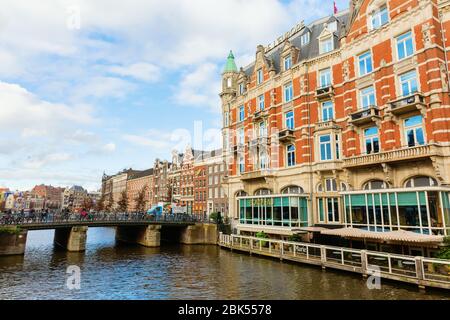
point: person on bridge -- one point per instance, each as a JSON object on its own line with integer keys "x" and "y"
{"x": 83, "y": 214}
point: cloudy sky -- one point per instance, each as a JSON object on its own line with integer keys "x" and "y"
{"x": 88, "y": 86}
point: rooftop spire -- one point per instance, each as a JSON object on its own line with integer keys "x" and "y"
{"x": 231, "y": 65}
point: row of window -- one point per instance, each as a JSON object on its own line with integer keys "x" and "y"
{"x": 407, "y": 81}
{"x": 329, "y": 143}
{"x": 405, "y": 49}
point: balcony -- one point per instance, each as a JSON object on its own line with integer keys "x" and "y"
{"x": 325, "y": 92}
{"x": 327, "y": 166}
{"x": 362, "y": 117}
{"x": 403, "y": 105}
{"x": 326, "y": 125}
{"x": 410, "y": 153}
{"x": 286, "y": 136}
{"x": 238, "y": 148}
{"x": 259, "y": 115}
{"x": 258, "y": 174}
{"x": 259, "y": 141}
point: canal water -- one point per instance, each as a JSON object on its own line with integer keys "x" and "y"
{"x": 111, "y": 270}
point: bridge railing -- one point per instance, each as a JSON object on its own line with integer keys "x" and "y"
{"x": 17, "y": 219}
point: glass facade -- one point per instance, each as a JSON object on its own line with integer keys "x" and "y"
{"x": 420, "y": 210}
{"x": 282, "y": 211}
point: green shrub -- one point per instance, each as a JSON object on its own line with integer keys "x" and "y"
{"x": 10, "y": 230}
{"x": 295, "y": 238}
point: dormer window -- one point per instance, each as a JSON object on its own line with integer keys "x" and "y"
{"x": 241, "y": 89}
{"x": 326, "y": 45}
{"x": 379, "y": 17}
{"x": 304, "y": 39}
{"x": 332, "y": 26}
{"x": 259, "y": 76}
{"x": 287, "y": 62}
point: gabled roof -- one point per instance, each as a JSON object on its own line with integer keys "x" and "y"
{"x": 311, "y": 49}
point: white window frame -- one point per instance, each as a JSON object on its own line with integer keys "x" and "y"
{"x": 365, "y": 96}
{"x": 305, "y": 38}
{"x": 241, "y": 136}
{"x": 326, "y": 44}
{"x": 371, "y": 137}
{"x": 241, "y": 113}
{"x": 261, "y": 102}
{"x": 327, "y": 106}
{"x": 403, "y": 43}
{"x": 378, "y": 14}
{"x": 409, "y": 83}
{"x": 288, "y": 153}
{"x": 323, "y": 75}
{"x": 415, "y": 128}
{"x": 287, "y": 62}
{"x": 365, "y": 58}
{"x": 330, "y": 142}
{"x": 288, "y": 92}
{"x": 289, "y": 119}
{"x": 259, "y": 76}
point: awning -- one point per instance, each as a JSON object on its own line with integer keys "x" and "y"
{"x": 268, "y": 229}
{"x": 399, "y": 235}
{"x": 312, "y": 229}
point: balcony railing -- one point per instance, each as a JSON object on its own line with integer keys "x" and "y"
{"x": 259, "y": 114}
{"x": 393, "y": 155}
{"x": 238, "y": 148}
{"x": 324, "y": 92}
{"x": 361, "y": 117}
{"x": 324, "y": 125}
{"x": 286, "y": 135}
{"x": 406, "y": 104}
{"x": 328, "y": 165}
{"x": 259, "y": 141}
{"x": 257, "y": 174}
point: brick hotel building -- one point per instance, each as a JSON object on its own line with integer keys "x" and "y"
{"x": 340, "y": 130}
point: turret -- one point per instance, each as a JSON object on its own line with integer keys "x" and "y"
{"x": 229, "y": 76}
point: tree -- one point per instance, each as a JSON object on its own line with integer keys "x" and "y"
{"x": 122, "y": 204}
{"x": 110, "y": 203}
{"x": 140, "y": 200}
{"x": 100, "y": 205}
{"x": 88, "y": 203}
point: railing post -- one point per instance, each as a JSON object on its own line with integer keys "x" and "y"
{"x": 364, "y": 263}
{"x": 251, "y": 246}
{"x": 323, "y": 256}
{"x": 420, "y": 272}
{"x": 281, "y": 250}
{"x": 240, "y": 239}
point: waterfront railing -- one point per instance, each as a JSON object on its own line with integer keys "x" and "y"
{"x": 419, "y": 270}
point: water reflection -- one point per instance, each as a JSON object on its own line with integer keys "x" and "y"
{"x": 113, "y": 270}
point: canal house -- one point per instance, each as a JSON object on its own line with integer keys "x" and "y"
{"x": 339, "y": 131}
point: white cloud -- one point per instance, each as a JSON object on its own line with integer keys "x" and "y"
{"x": 103, "y": 87}
{"x": 200, "y": 88}
{"x": 140, "y": 71}
{"x": 41, "y": 161}
{"x": 23, "y": 111}
{"x": 109, "y": 147}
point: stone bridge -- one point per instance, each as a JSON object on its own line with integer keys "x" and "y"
{"x": 71, "y": 232}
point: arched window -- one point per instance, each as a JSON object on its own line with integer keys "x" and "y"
{"x": 375, "y": 185}
{"x": 241, "y": 193}
{"x": 344, "y": 186}
{"x": 263, "y": 192}
{"x": 292, "y": 190}
{"x": 420, "y": 181}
